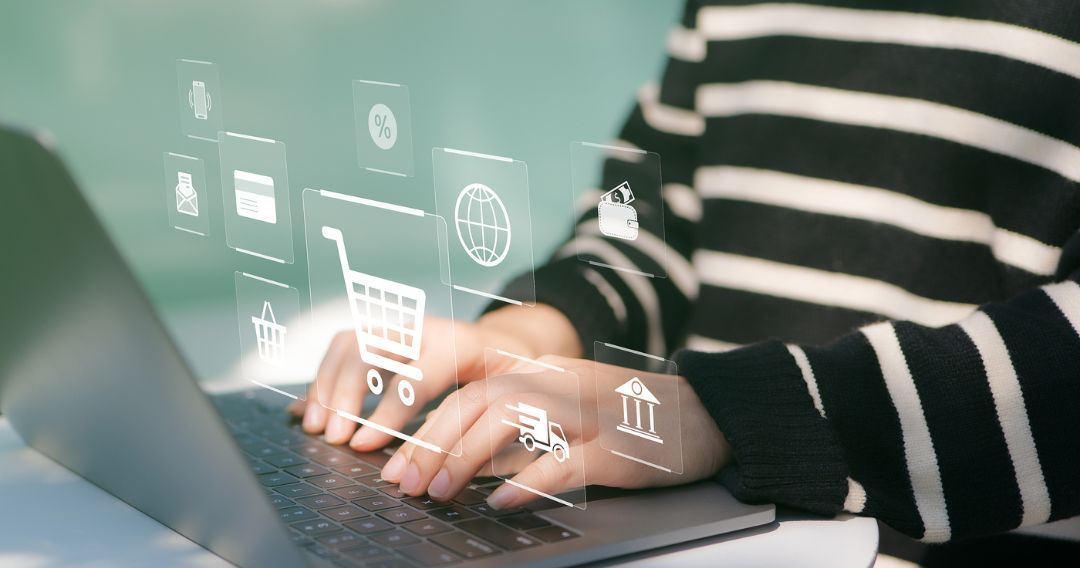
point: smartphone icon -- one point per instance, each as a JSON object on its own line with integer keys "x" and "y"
{"x": 199, "y": 99}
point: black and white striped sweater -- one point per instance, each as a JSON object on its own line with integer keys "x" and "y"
{"x": 881, "y": 207}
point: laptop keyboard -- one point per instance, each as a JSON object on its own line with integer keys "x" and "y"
{"x": 338, "y": 507}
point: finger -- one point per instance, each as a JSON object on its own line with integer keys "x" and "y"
{"x": 391, "y": 413}
{"x": 297, "y": 408}
{"x": 438, "y": 374}
{"x": 348, "y": 396}
{"x": 478, "y": 444}
{"x": 443, "y": 427}
{"x": 457, "y": 414}
{"x": 394, "y": 469}
{"x": 545, "y": 475}
{"x": 316, "y": 414}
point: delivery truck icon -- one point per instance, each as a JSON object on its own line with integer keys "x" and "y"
{"x": 539, "y": 432}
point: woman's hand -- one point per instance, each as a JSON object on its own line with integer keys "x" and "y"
{"x": 452, "y": 352}
{"x": 479, "y": 409}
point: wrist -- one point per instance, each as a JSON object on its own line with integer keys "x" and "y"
{"x": 531, "y": 331}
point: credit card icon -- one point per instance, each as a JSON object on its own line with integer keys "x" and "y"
{"x": 255, "y": 196}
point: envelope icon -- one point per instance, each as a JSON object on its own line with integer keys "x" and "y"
{"x": 618, "y": 220}
{"x": 187, "y": 200}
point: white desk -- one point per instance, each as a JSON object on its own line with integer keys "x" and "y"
{"x": 55, "y": 518}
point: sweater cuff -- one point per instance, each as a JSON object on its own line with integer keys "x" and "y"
{"x": 785, "y": 451}
{"x": 562, "y": 285}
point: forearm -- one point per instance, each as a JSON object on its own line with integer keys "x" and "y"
{"x": 537, "y": 330}
{"x": 942, "y": 433}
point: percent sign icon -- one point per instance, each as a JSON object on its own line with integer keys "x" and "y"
{"x": 382, "y": 126}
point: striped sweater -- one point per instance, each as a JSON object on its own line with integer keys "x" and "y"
{"x": 871, "y": 251}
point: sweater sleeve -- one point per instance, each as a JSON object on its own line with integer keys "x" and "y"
{"x": 624, "y": 306}
{"x": 942, "y": 433}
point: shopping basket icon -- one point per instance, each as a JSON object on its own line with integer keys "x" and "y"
{"x": 270, "y": 335}
{"x": 388, "y": 316}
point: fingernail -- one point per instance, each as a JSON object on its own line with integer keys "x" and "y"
{"x": 363, "y": 439}
{"x": 311, "y": 418}
{"x": 394, "y": 468}
{"x": 440, "y": 486}
{"x": 411, "y": 480}
{"x": 503, "y": 496}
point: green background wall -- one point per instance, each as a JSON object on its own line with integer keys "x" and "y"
{"x": 510, "y": 77}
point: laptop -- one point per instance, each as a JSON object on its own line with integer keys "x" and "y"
{"x": 90, "y": 378}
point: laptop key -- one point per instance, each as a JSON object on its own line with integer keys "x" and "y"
{"x": 470, "y": 497}
{"x": 285, "y": 438}
{"x": 374, "y": 481}
{"x": 320, "y": 501}
{"x": 393, "y": 491}
{"x": 297, "y": 490}
{"x": 341, "y": 540}
{"x": 368, "y": 526}
{"x": 402, "y": 515}
{"x": 427, "y": 527}
{"x": 294, "y": 514}
{"x": 334, "y": 459}
{"x": 489, "y": 511}
{"x": 377, "y": 503}
{"x": 394, "y": 538}
{"x": 554, "y": 533}
{"x": 299, "y": 538}
{"x": 280, "y": 502}
{"x": 286, "y": 460}
{"x": 321, "y": 551}
{"x": 315, "y": 527}
{"x": 344, "y": 513}
{"x": 307, "y": 470}
{"x": 426, "y": 554}
{"x": 353, "y": 492}
{"x": 526, "y": 522}
{"x": 262, "y": 450}
{"x": 358, "y": 469}
{"x": 309, "y": 448}
{"x": 260, "y": 467}
{"x": 365, "y": 551}
{"x": 501, "y": 535}
{"x": 452, "y": 514}
{"x": 423, "y": 503}
{"x": 464, "y": 545}
{"x": 275, "y": 479}
{"x": 330, "y": 481}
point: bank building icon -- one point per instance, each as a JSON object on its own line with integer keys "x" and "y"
{"x": 638, "y": 408}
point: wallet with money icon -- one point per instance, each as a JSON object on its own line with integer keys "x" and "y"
{"x": 618, "y": 219}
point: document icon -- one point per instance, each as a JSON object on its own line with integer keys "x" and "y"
{"x": 255, "y": 196}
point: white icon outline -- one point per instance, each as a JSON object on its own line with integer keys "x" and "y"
{"x": 382, "y": 126}
{"x": 494, "y": 254}
{"x": 255, "y": 197}
{"x": 367, "y": 293}
{"x": 187, "y": 199}
{"x": 269, "y": 335}
{"x": 618, "y": 219}
{"x": 635, "y": 389}
{"x": 199, "y": 100}
{"x": 538, "y": 432}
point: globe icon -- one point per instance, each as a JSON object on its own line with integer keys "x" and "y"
{"x": 483, "y": 227}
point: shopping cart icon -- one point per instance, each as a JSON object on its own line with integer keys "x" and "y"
{"x": 388, "y": 316}
{"x": 269, "y": 335}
